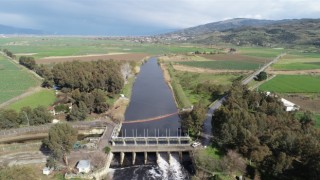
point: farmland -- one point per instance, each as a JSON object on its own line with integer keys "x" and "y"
{"x": 41, "y": 47}
{"x": 46, "y": 96}
{"x": 191, "y": 82}
{"x": 261, "y": 52}
{"x": 116, "y": 57}
{"x": 230, "y": 64}
{"x": 14, "y": 80}
{"x": 293, "y": 84}
{"x": 295, "y": 61}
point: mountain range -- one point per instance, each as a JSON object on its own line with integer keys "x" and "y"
{"x": 15, "y": 30}
{"x": 241, "y": 31}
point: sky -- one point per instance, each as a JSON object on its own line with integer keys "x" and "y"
{"x": 143, "y": 17}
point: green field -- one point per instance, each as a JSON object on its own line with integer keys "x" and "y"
{"x": 297, "y": 66}
{"x": 298, "y": 61}
{"x": 45, "y": 97}
{"x": 227, "y": 64}
{"x": 70, "y": 46}
{"x": 293, "y": 84}
{"x": 260, "y": 52}
{"x": 189, "y": 81}
{"x": 14, "y": 80}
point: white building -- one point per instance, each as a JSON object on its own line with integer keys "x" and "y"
{"x": 84, "y": 166}
{"x": 290, "y": 106}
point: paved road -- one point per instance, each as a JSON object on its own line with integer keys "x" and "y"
{"x": 207, "y": 127}
{"x": 264, "y": 67}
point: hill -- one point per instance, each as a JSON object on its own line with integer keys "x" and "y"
{"x": 221, "y": 26}
{"x": 268, "y": 33}
{"x": 15, "y": 30}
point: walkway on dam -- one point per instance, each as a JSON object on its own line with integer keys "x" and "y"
{"x": 152, "y": 148}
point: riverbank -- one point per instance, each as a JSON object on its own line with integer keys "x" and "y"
{"x": 179, "y": 96}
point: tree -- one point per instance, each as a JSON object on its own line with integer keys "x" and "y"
{"x": 8, "y": 119}
{"x": 61, "y": 139}
{"x": 281, "y": 145}
{"x": 41, "y": 116}
{"x": 78, "y": 112}
{"x": 100, "y": 104}
{"x": 233, "y": 163}
{"x": 261, "y": 76}
{"x": 193, "y": 122}
{"x": 28, "y": 62}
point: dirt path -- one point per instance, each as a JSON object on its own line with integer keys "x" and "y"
{"x": 25, "y": 94}
{"x": 23, "y": 158}
{"x": 296, "y": 72}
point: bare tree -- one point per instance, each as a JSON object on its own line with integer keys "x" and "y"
{"x": 233, "y": 163}
{"x": 98, "y": 159}
{"x": 126, "y": 71}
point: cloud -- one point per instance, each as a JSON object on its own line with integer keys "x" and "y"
{"x": 17, "y": 20}
{"x": 118, "y": 16}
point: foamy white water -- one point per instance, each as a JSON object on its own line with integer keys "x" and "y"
{"x": 163, "y": 165}
{"x": 176, "y": 169}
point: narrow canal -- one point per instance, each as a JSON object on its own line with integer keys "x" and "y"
{"x": 151, "y": 97}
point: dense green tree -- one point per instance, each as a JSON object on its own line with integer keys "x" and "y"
{"x": 47, "y": 75}
{"x": 60, "y": 140}
{"x": 28, "y": 62}
{"x": 41, "y": 116}
{"x": 261, "y": 76}
{"x": 9, "y": 53}
{"x": 8, "y": 119}
{"x": 99, "y": 104}
{"x": 192, "y": 122}
{"x": 78, "y": 112}
{"x": 281, "y": 145}
{"x": 87, "y": 76}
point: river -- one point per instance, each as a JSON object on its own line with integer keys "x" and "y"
{"x": 151, "y": 97}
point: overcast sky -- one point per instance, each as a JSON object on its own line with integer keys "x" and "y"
{"x": 143, "y": 17}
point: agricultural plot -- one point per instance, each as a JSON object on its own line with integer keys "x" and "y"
{"x": 308, "y": 61}
{"x": 227, "y": 64}
{"x": 269, "y": 53}
{"x": 41, "y": 47}
{"x": 46, "y": 97}
{"x": 14, "y": 80}
{"x": 189, "y": 82}
{"x": 116, "y": 57}
{"x": 293, "y": 84}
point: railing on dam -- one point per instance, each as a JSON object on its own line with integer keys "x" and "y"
{"x": 136, "y": 141}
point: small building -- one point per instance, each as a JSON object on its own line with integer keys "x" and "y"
{"x": 84, "y": 166}
{"x": 46, "y": 171}
{"x": 290, "y": 106}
